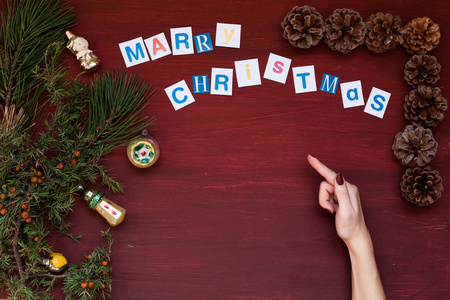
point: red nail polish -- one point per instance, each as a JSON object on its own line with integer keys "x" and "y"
{"x": 340, "y": 179}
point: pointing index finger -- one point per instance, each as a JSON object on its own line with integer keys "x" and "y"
{"x": 323, "y": 170}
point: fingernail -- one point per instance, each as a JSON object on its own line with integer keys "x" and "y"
{"x": 339, "y": 179}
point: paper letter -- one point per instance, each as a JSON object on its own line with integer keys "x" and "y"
{"x": 247, "y": 72}
{"x": 304, "y": 79}
{"x": 203, "y": 42}
{"x": 182, "y": 40}
{"x": 352, "y": 94}
{"x": 377, "y": 103}
{"x": 221, "y": 81}
{"x": 328, "y": 87}
{"x": 179, "y": 95}
{"x": 200, "y": 83}
{"x": 277, "y": 68}
{"x": 228, "y": 35}
{"x": 134, "y": 52}
{"x": 158, "y": 46}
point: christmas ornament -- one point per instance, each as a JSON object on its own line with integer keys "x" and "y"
{"x": 344, "y": 30}
{"x": 80, "y": 47}
{"x": 425, "y": 106}
{"x": 421, "y": 186}
{"x": 303, "y": 27}
{"x": 384, "y": 32}
{"x": 110, "y": 211}
{"x": 422, "y": 35}
{"x": 144, "y": 151}
{"x": 422, "y": 69}
{"x": 414, "y": 146}
{"x": 56, "y": 262}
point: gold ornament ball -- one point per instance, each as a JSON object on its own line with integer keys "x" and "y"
{"x": 143, "y": 152}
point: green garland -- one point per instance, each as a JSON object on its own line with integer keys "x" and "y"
{"x": 48, "y": 148}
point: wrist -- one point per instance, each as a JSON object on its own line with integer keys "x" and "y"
{"x": 361, "y": 245}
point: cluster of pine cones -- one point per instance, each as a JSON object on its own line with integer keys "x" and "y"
{"x": 345, "y": 30}
{"x": 424, "y": 107}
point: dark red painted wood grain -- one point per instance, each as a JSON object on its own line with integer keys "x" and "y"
{"x": 230, "y": 210}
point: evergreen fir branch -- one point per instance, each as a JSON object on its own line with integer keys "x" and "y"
{"x": 115, "y": 101}
{"x": 28, "y": 27}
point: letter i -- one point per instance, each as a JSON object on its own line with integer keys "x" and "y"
{"x": 248, "y": 72}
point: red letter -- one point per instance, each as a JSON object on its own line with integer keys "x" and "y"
{"x": 157, "y": 46}
{"x": 278, "y": 67}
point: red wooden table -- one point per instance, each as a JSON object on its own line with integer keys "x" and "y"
{"x": 230, "y": 209}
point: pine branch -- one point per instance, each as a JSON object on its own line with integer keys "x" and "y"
{"x": 27, "y": 28}
{"x": 115, "y": 101}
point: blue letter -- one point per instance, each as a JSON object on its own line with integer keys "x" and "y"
{"x": 135, "y": 55}
{"x": 203, "y": 41}
{"x": 329, "y": 88}
{"x": 224, "y": 82}
{"x": 303, "y": 76}
{"x": 174, "y": 95}
{"x": 355, "y": 97}
{"x": 184, "y": 40}
{"x": 375, "y": 99}
{"x": 200, "y": 80}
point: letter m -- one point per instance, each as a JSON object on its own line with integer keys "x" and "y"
{"x": 329, "y": 85}
{"x": 136, "y": 53}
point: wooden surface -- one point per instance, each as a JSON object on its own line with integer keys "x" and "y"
{"x": 230, "y": 209}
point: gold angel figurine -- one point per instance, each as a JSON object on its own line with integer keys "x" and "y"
{"x": 80, "y": 47}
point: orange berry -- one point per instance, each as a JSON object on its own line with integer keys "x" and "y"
{"x": 40, "y": 180}
{"x": 3, "y": 196}
{"x": 73, "y": 162}
{"x": 105, "y": 263}
{"x": 60, "y": 166}
{"x": 3, "y": 211}
{"x": 102, "y": 286}
{"x": 24, "y": 206}
{"x": 34, "y": 179}
{"x": 22, "y": 165}
{"x": 39, "y": 174}
{"x": 91, "y": 285}
{"x": 31, "y": 169}
{"x": 25, "y": 215}
{"x": 13, "y": 190}
{"x": 4, "y": 186}
{"x": 36, "y": 238}
{"x": 17, "y": 169}
{"x": 84, "y": 285}
{"x": 28, "y": 220}
{"x": 77, "y": 153}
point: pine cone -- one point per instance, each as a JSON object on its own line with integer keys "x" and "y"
{"x": 303, "y": 27}
{"x": 422, "y": 68}
{"x": 425, "y": 106}
{"x": 414, "y": 146}
{"x": 344, "y": 30}
{"x": 422, "y": 36}
{"x": 421, "y": 186}
{"x": 384, "y": 32}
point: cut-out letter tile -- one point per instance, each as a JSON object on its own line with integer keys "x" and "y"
{"x": 352, "y": 94}
{"x": 134, "y": 52}
{"x": 377, "y": 103}
{"x": 228, "y": 35}
{"x": 179, "y": 95}
{"x": 247, "y": 72}
{"x": 277, "y": 68}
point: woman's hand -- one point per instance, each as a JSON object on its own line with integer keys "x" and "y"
{"x": 339, "y": 196}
